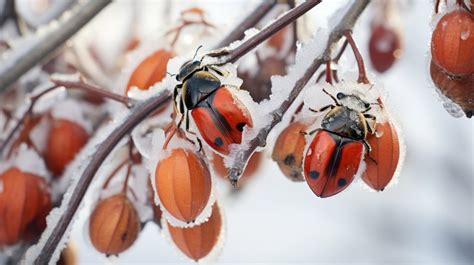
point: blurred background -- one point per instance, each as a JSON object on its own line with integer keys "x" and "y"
{"x": 426, "y": 216}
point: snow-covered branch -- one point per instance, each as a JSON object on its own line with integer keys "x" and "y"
{"x": 35, "y": 48}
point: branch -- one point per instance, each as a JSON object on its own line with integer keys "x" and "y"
{"x": 232, "y": 56}
{"x": 22, "y": 59}
{"x": 248, "y": 22}
{"x": 346, "y": 24}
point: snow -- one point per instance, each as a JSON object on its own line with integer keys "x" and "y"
{"x": 27, "y": 160}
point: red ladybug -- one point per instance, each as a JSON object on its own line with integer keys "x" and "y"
{"x": 219, "y": 116}
{"x": 335, "y": 152}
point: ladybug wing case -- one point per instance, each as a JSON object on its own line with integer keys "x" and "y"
{"x": 220, "y": 119}
{"x": 331, "y": 163}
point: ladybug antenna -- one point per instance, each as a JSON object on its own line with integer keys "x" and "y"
{"x": 332, "y": 97}
{"x": 195, "y": 54}
{"x": 170, "y": 74}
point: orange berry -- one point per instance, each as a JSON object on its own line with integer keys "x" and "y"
{"x": 114, "y": 225}
{"x": 65, "y": 140}
{"x": 151, "y": 70}
{"x": 386, "y": 153}
{"x": 198, "y": 241}
{"x": 24, "y": 204}
{"x": 183, "y": 183}
{"x": 289, "y": 149}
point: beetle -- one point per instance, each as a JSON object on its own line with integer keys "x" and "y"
{"x": 335, "y": 152}
{"x": 218, "y": 115}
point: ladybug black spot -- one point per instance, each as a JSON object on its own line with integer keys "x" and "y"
{"x": 289, "y": 160}
{"x": 341, "y": 182}
{"x": 240, "y": 126}
{"x": 218, "y": 141}
{"x": 314, "y": 174}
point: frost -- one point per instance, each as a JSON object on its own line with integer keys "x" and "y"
{"x": 465, "y": 35}
{"x": 27, "y": 160}
{"x": 71, "y": 110}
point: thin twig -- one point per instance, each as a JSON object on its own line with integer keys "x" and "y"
{"x": 23, "y": 59}
{"x": 248, "y": 22}
{"x": 346, "y": 24}
{"x": 68, "y": 85}
{"x": 89, "y": 88}
{"x": 235, "y": 54}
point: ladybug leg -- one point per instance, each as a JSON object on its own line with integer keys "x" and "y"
{"x": 370, "y": 127}
{"x": 311, "y": 132}
{"x": 176, "y": 99}
{"x": 215, "y": 69}
{"x": 193, "y": 133}
{"x": 323, "y": 108}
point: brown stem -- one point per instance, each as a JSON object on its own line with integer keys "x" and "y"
{"x": 360, "y": 61}
{"x": 114, "y": 172}
{"x": 23, "y": 118}
{"x": 346, "y": 24}
{"x": 328, "y": 73}
{"x": 248, "y": 22}
{"x": 94, "y": 90}
{"x": 235, "y": 54}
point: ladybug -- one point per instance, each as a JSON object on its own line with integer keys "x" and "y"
{"x": 335, "y": 152}
{"x": 219, "y": 116}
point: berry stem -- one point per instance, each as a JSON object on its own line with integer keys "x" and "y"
{"x": 94, "y": 90}
{"x": 360, "y": 61}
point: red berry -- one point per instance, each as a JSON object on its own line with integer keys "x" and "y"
{"x": 382, "y": 160}
{"x": 452, "y": 43}
{"x": 151, "y": 70}
{"x": 458, "y": 89}
{"x": 384, "y": 47}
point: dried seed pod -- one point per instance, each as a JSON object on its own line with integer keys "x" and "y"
{"x": 252, "y": 166}
{"x": 24, "y": 204}
{"x": 65, "y": 140}
{"x": 183, "y": 183}
{"x": 452, "y": 43}
{"x": 384, "y": 47}
{"x": 384, "y": 156}
{"x": 458, "y": 89}
{"x": 151, "y": 70}
{"x": 289, "y": 149}
{"x": 114, "y": 225}
{"x": 198, "y": 241}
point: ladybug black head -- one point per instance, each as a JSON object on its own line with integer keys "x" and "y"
{"x": 188, "y": 69}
